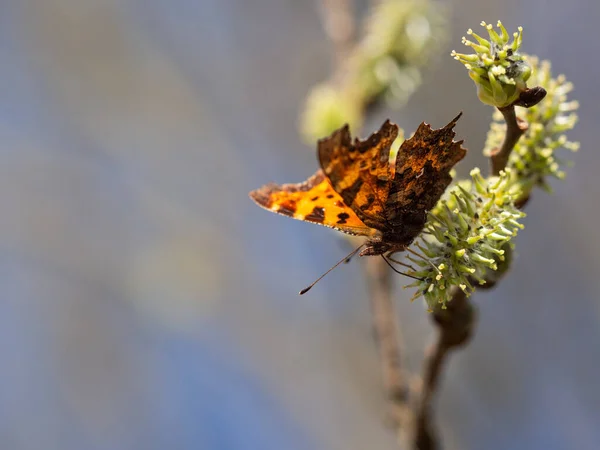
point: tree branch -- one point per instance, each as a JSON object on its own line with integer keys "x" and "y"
{"x": 515, "y": 128}
{"x": 455, "y": 325}
{"x": 387, "y": 337}
{"x": 339, "y": 24}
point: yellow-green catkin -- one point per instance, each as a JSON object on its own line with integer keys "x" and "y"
{"x": 534, "y": 157}
{"x": 463, "y": 238}
{"x": 500, "y": 73}
{"x": 400, "y": 37}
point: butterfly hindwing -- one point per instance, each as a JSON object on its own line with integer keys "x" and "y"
{"x": 422, "y": 171}
{"x": 312, "y": 201}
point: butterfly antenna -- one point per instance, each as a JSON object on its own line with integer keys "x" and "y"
{"x": 401, "y": 273}
{"x": 344, "y": 259}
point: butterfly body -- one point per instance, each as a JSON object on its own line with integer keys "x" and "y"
{"x": 394, "y": 240}
{"x": 358, "y": 190}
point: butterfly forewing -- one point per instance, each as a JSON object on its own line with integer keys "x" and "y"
{"x": 312, "y": 201}
{"x": 360, "y": 171}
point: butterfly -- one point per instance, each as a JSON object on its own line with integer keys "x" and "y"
{"x": 359, "y": 191}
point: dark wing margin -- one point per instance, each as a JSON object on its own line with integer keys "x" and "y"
{"x": 359, "y": 171}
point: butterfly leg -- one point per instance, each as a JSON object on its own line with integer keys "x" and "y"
{"x": 395, "y": 261}
{"x": 401, "y": 273}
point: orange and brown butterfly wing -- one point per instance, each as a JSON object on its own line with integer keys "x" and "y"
{"x": 312, "y": 201}
{"x": 360, "y": 171}
{"x": 422, "y": 172}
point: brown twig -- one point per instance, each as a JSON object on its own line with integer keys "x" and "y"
{"x": 339, "y": 24}
{"x": 515, "y": 128}
{"x": 387, "y": 336}
{"x": 455, "y": 326}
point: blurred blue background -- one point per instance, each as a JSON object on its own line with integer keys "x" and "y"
{"x": 146, "y": 303}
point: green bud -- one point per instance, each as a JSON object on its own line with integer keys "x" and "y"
{"x": 400, "y": 39}
{"x": 500, "y": 73}
{"x": 326, "y": 110}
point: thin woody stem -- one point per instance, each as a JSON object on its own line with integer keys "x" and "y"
{"x": 339, "y": 24}
{"x": 387, "y": 336}
{"x": 515, "y": 128}
{"x": 455, "y": 326}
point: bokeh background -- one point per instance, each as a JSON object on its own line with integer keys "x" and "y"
{"x": 146, "y": 303}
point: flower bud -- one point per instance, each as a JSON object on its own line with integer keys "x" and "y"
{"x": 327, "y": 109}
{"x": 500, "y": 73}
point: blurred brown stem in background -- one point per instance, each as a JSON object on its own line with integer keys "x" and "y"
{"x": 339, "y": 23}
{"x": 340, "y": 26}
{"x": 387, "y": 336}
